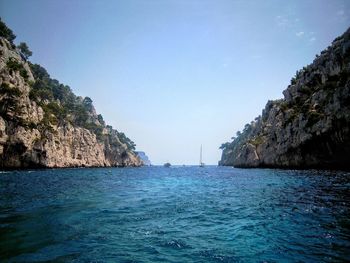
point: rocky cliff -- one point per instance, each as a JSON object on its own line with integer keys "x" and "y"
{"x": 43, "y": 124}
{"x": 310, "y": 126}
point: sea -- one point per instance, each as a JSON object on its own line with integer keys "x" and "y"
{"x": 177, "y": 214}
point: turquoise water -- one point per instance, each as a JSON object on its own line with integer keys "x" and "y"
{"x": 184, "y": 214}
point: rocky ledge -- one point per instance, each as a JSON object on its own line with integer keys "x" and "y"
{"x": 309, "y": 127}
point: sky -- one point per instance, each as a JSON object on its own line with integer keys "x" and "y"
{"x": 175, "y": 74}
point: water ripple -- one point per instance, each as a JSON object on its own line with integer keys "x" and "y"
{"x": 180, "y": 214}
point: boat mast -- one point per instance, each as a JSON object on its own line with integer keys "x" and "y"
{"x": 200, "y": 158}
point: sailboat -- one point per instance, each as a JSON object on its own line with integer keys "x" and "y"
{"x": 201, "y": 164}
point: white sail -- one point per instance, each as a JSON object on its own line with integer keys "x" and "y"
{"x": 201, "y": 164}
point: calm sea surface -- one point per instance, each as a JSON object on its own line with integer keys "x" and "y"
{"x": 178, "y": 214}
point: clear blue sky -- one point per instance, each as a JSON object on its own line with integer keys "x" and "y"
{"x": 176, "y": 74}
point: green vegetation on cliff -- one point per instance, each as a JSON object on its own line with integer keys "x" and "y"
{"x": 60, "y": 104}
{"x": 6, "y": 32}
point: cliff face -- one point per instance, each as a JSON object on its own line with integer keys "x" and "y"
{"x": 310, "y": 126}
{"x": 43, "y": 124}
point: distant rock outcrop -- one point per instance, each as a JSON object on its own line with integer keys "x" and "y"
{"x": 143, "y": 157}
{"x": 310, "y": 126}
{"x": 43, "y": 124}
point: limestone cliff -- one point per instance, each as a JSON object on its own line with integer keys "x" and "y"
{"x": 43, "y": 124}
{"x": 310, "y": 126}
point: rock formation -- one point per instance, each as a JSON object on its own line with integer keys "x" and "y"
{"x": 143, "y": 157}
{"x": 310, "y": 126}
{"x": 43, "y": 124}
